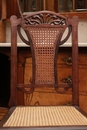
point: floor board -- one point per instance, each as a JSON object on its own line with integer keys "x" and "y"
{"x": 3, "y": 111}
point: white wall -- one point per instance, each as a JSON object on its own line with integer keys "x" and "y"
{"x": 82, "y": 33}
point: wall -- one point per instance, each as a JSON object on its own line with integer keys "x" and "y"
{"x": 82, "y": 33}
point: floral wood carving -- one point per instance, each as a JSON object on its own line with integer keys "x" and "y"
{"x": 44, "y": 17}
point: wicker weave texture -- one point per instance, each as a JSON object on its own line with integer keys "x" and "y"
{"x": 46, "y": 116}
{"x": 44, "y": 41}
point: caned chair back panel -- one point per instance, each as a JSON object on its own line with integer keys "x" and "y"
{"x": 45, "y": 41}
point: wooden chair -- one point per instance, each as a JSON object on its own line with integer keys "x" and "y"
{"x": 44, "y": 30}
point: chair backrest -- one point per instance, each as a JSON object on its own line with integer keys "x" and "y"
{"x": 44, "y": 31}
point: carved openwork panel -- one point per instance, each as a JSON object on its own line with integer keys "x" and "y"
{"x": 44, "y": 17}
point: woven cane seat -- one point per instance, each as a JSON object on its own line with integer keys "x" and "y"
{"x": 46, "y": 116}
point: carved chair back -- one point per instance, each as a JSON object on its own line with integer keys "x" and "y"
{"x": 44, "y": 31}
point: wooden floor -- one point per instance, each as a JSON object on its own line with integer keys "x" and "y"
{"x": 3, "y": 112}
